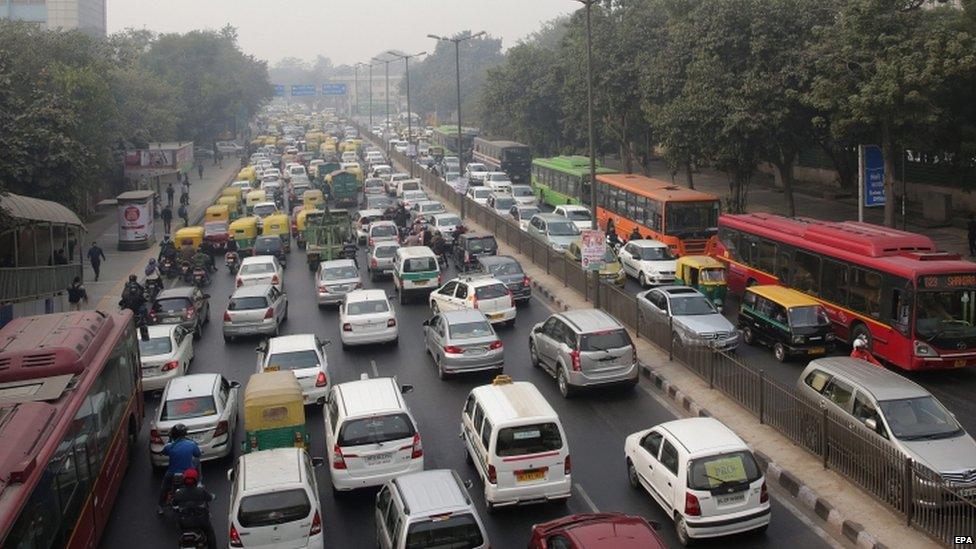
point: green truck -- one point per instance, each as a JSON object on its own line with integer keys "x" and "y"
{"x": 343, "y": 188}
{"x": 325, "y": 235}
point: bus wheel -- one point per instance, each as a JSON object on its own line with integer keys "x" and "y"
{"x": 859, "y": 330}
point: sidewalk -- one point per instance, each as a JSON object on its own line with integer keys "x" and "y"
{"x": 118, "y": 265}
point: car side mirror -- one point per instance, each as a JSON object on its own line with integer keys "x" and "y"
{"x": 404, "y": 389}
{"x": 871, "y": 423}
{"x": 427, "y": 322}
{"x": 537, "y": 330}
{"x": 230, "y": 475}
{"x": 318, "y": 461}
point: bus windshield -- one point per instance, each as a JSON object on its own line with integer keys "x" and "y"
{"x": 691, "y": 217}
{"x": 945, "y": 318}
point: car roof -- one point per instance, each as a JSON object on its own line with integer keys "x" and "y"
{"x": 589, "y": 320}
{"x": 296, "y": 342}
{"x": 370, "y": 211}
{"x": 371, "y": 294}
{"x": 268, "y": 468}
{"x": 191, "y": 385}
{"x": 648, "y": 243}
{"x": 338, "y": 263}
{"x": 415, "y": 251}
{"x": 463, "y": 315}
{"x": 703, "y": 435}
{"x": 445, "y": 214}
{"x": 571, "y": 207}
{"x": 495, "y": 259}
{"x": 252, "y": 290}
{"x": 162, "y": 330}
{"x": 431, "y": 492}
{"x": 549, "y": 216}
{"x": 366, "y": 396}
{"x": 513, "y": 400}
{"x": 181, "y": 291}
{"x": 257, "y": 259}
{"x": 787, "y": 297}
{"x": 882, "y": 384}
{"x": 678, "y": 290}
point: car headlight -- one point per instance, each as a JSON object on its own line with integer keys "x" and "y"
{"x": 798, "y": 339}
{"x": 924, "y": 349}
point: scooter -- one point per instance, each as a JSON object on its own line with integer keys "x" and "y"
{"x": 200, "y": 277}
{"x": 233, "y": 262}
{"x": 153, "y": 287}
{"x": 168, "y": 268}
{"x": 186, "y": 272}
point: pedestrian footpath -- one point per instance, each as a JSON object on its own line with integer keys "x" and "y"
{"x": 118, "y": 265}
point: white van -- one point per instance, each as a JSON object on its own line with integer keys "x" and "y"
{"x": 415, "y": 270}
{"x": 517, "y": 444}
{"x": 275, "y": 500}
{"x": 370, "y": 433}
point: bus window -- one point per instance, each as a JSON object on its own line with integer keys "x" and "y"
{"x": 865, "y": 292}
{"x": 749, "y": 249}
{"x": 729, "y": 239}
{"x": 833, "y": 282}
{"x": 783, "y": 268}
{"x": 901, "y": 307}
{"x": 806, "y": 272}
{"x": 766, "y": 260}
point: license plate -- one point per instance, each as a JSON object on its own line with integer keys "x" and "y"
{"x": 198, "y": 437}
{"x": 730, "y": 500}
{"x": 817, "y": 351}
{"x": 420, "y": 282}
{"x": 272, "y": 368}
{"x": 496, "y": 316}
{"x": 959, "y": 364}
{"x": 476, "y": 351}
{"x": 378, "y": 459}
{"x": 530, "y": 475}
{"x": 171, "y": 321}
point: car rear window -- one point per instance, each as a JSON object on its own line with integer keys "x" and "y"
{"x": 172, "y": 304}
{"x": 274, "y": 508}
{"x": 188, "y": 408}
{"x": 383, "y": 230}
{"x": 602, "y": 341}
{"x": 367, "y": 307}
{"x": 409, "y": 186}
{"x": 340, "y": 273}
{"x": 294, "y": 360}
{"x": 492, "y": 291}
{"x": 733, "y": 469}
{"x": 482, "y": 244}
{"x": 453, "y": 532}
{"x": 257, "y": 268}
{"x": 155, "y": 346}
{"x": 470, "y": 330}
{"x": 376, "y": 429}
{"x": 419, "y": 265}
{"x": 384, "y": 251}
{"x": 506, "y": 268}
{"x": 528, "y": 439}
{"x": 504, "y": 203}
{"x": 247, "y": 303}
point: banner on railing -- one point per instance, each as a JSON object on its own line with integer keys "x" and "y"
{"x": 594, "y": 249}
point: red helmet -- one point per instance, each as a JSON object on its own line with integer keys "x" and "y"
{"x": 190, "y": 477}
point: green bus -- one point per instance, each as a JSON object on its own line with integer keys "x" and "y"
{"x": 563, "y": 179}
{"x": 447, "y": 137}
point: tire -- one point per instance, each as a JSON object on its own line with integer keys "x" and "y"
{"x": 197, "y": 332}
{"x": 228, "y": 339}
{"x": 563, "y": 383}
{"x": 632, "y": 475}
{"x": 372, "y": 276}
{"x": 533, "y": 354}
{"x": 277, "y": 330}
{"x": 779, "y": 351}
{"x": 401, "y": 298}
{"x": 642, "y": 280}
{"x": 284, "y": 318}
{"x": 467, "y": 456}
{"x": 761, "y": 531}
{"x": 441, "y": 374}
{"x": 489, "y": 506}
{"x": 681, "y": 530}
{"x": 434, "y": 308}
{"x": 748, "y": 337}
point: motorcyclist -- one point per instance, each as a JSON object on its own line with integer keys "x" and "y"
{"x": 192, "y": 502}
{"x": 153, "y": 279}
{"x": 133, "y": 295}
{"x": 439, "y": 246}
{"x": 613, "y": 240}
{"x": 203, "y": 260}
{"x": 187, "y": 251}
{"x": 167, "y": 250}
{"x": 350, "y": 250}
{"x": 182, "y": 453}
{"x": 860, "y": 351}
{"x": 634, "y": 235}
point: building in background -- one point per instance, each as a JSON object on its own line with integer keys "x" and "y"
{"x": 87, "y": 16}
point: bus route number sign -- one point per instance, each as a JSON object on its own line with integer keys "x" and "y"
{"x": 948, "y": 281}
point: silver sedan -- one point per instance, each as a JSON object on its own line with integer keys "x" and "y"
{"x": 463, "y": 341}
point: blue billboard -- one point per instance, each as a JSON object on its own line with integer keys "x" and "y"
{"x": 873, "y": 166}
{"x": 279, "y": 90}
{"x": 333, "y": 89}
{"x": 303, "y": 90}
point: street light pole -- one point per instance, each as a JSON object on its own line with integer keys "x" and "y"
{"x": 370, "y": 97}
{"x": 589, "y": 123}
{"x": 406, "y": 66}
{"x": 355, "y": 87}
{"x": 387, "y": 128}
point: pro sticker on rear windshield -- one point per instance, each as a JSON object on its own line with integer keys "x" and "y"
{"x": 730, "y": 469}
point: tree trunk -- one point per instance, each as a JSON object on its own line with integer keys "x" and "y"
{"x": 784, "y": 165}
{"x": 689, "y": 175}
{"x": 888, "y": 149}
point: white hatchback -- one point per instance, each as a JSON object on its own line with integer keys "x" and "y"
{"x": 485, "y": 293}
{"x": 262, "y": 269}
{"x": 304, "y": 356}
{"x": 366, "y": 317}
{"x": 165, "y": 355}
{"x": 649, "y": 261}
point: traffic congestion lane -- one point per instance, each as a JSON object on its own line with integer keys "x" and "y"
{"x": 595, "y": 424}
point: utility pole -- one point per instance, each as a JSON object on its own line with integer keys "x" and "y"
{"x": 406, "y": 66}
{"x": 387, "y": 129}
{"x": 370, "y": 97}
{"x": 589, "y": 123}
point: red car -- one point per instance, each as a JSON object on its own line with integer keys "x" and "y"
{"x": 596, "y": 531}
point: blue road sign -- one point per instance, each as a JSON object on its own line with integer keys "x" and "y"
{"x": 303, "y": 90}
{"x": 279, "y": 90}
{"x": 874, "y": 189}
{"x": 333, "y": 89}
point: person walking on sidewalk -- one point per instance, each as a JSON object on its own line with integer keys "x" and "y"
{"x": 76, "y": 294}
{"x": 167, "y": 216}
{"x": 200, "y": 169}
{"x": 184, "y": 215}
{"x": 96, "y": 256}
{"x": 971, "y": 229}
{"x": 170, "y": 191}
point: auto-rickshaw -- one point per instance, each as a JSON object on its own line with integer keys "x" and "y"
{"x": 188, "y": 236}
{"x": 790, "y": 322}
{"x": 255, "y": 197}
{"x": 218, "y": 212}
{"x": 248, "y": 173}
{"x": 279, "y": 225}
{"x": 313, "y": 199}
{"x": 236, "y": 192}
{"x": 217, "y": 232}
{"x": 274, "y": 412}
{"x": 233, "y": 206}
{"x": 244, "y": 231}
{"x": 703, "y": 273}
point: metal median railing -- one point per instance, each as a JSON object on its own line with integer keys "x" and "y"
{"x": 932, "y": 505}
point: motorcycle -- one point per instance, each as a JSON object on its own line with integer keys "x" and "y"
{"x": 186, "y": 272}
{"x": 200, "y": 277}
{"x": 153, "y": 287}
{"x": 167, "y": 267}
{"x": 233, "y": 262}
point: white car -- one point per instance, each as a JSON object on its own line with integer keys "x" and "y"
{"x": 410, "y": 198}
{"x": 382, "y": 231}
{"x": 255, "y": 310}
{"x": 264, "y": 209}
{"x": 297, "y": 170}
{"x": 485, "y": 293}
{"x": 649, "y": 261}
{"x": 702, "y": 474}
{"x": 380, "y": 258}
{"x": 261, "y": 269}
{"x": 501, "y": 202}
{"x": 498, "y": 182}
{"x": 524, "y": 195}
{"x": 335, "y": 279}
{"x": 476, "y": 172}
{"x": 207, "y": 405}
{"x": 579, "y": 215}
{"x": 366, "y": 317}
{"x": 382, "y": 171}
{"x": 522, "y": 214}
{"x": 363, "y": 220}
{"x": 165, "y": 355}
{"x": 479, "y": 194}
{"x": 425, "y": 208}
{"x": 304, "y": 355}
{"x": 243, "y": 185}
{"x": 349, "y": 156}
{"x": 445, "y": 223}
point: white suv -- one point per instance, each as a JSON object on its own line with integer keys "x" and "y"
{"x": 304, "y": 355}
{"x": 579, "y": 215}
{"x": 485, "y": 293}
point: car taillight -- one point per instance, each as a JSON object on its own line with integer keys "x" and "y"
{"x": 452, "y": 350}
{"x": 492, "y": 475}
{"x": 417, "y": 451}
{"x": 275, "y": 279}
{"x": 359, "y": 286}
{"x": 171, "y": 365}
{"x": 373, "y": 262}
{"x": 235, "y": 538}
{"x": 154, "y": 437}
{"x": 763, "y": 494}
{"x": 221, "y": 429}
{"x": 347, "y": 327}
{"x": 567, "y": 465}
{"x": 371, "y": 242}
{"x": 391, "y": 323}
{"x": 575, "y": 355}
{"x": 239, "y": 282}
{"x": 321, "y": 380}
{"x": 338, "y": 461}
{"x": 497, "y": 344}
{"x": 316, "y": 525}
{"x": 269, "y": 313}
{"x": 323, "y": 289}
{"x": 474, "y": 300}
{"x": 692, "y": 508}
{"x": 190, "y": 311}
{"x": 226, "y": 316}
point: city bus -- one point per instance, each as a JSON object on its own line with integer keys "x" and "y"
{"x": 563, "y": 179}
{"x": 447, "y": 137}
{"x": 916, "y": 306}
{"x": 680, "y": 217}
{"x": 70, "y": 410}
{"x": 510, "y": 157}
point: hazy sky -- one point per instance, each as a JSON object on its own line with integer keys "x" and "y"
{"x": 345, "y": 31}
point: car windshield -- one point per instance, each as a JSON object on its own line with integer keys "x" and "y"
{"x": 712, "y": 275}
{"x": 920, "y": 418}
{"x": 527, "y": 213}
{"x": 505, "y": 269}
{"x": 732, "y": 469}
{"x": 367, "y": 307}
{"x": 520, "y": 190}
{"x": 339, "y": 273}
{"x": 528, "y": 439}
{"x": 451, "y": 221}
{"x": 492, "y": 291}
{"x": 379, "y": 202}
{"x": 432, "y": 207}
{"x": 451, "y": 532}
{"x": 655, "y": 253}
{"x": 692, "y": 305}
{"x": 578, "y": 215}
{"x": 375, "y": 430}
{"x": 604, "y": 341}
{"x": 274, "y": 508}
{"x": 415, "y": 196}
{"x": 374, "y": 183}
{"x": 420, "y": 265}
{"x": 470, "y": 330}
{"x": 482, "y": 193}
{"x": 452, "y": 176}
{"x": 188, "y": 408}
{"x": 172, "y": 304}
{"x": 562, "y": 228}
{"x": 946, "y": 319}
{"x": 257, "y": 268}
{"x": 504, "y": 202}
{"x": 807, "y": 316}
{"x": 293, "y": 360}
{"x": 247, "y": 303}
{"x": 475, "y": 167}
{"x": 482, "y": 244}
{"x": 156, "y": 346}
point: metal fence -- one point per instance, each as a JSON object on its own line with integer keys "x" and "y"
{"x": 928, "y": 503}
{"x": 22, "y": 283}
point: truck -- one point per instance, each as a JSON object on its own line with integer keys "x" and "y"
{"x": 343, "y": 188}
{"x": 325, "y": 236}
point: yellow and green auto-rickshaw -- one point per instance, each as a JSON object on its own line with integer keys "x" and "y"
{"x": 233, "y": 206}
{"x": 188, "y": 236}
{"x": 278, "y": 224}
{"x": 236, "y": 192}
{"x": 217, "y": 212}
{"x": 703, "y": 273}
{"x": 244, "y": 231}
{"x": 247, "y": 173}
{"x": 274, "y": 412}
{"x": 255, "y": 197}
{"x": 313, "y": 199}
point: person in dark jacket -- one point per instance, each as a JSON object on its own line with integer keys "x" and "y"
{"x": 170, "y": 192}
{"x": 96, "y": 256}
{"x": 76, "y": 294}
{"x": 192, "y": 504}
{"x": 167, "y": 216}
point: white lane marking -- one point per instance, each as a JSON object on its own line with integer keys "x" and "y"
{"x": 372, "y": 366}
{"x": 586, "y": 498}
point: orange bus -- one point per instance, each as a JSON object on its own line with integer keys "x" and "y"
{"x": 682, "y": 218}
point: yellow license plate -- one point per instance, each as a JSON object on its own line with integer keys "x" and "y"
{"x": 496, "y": 316}
{"x": 959, "y": 364}
{"x": 530, "y": 475}
{"x": 817, "y": 351}
{"x": 272, "y": 368}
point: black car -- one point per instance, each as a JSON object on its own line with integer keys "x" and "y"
{"x": 270, "y": 245}
{"x": 186, "y": 305}
{"x": 470, "y": 246}
{"x": 507, "y": 269}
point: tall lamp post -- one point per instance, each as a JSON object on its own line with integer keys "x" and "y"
{"x": 387, "y": 129}
{"x": 406, "y": 66}
{"x": 356, "y": 88}
{"x": 370, "y": 97}
{"x": 457, "y": 67}
{"x": 589, "y": 123}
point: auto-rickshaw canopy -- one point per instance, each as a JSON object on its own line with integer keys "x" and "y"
{"x": 192, "y": 236}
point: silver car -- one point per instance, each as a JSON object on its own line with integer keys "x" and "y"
{"x": 555, "y": 231}
{"x": 335, "y": 279}
{"x": 584, "y": 348}
{"x": 380, "y": 258}
{"x": 446, "y": 223}
{"x": 695, "y": 320}
{"x": 463, "y": 341}
{"x": 255, "y": 310}
{"x": 207, "y": 405}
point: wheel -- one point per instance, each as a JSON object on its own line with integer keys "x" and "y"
{"x": 434, "y": 308}
{"x": 441, "y": 374}
{"x": 761, "y": 531}
{"x": 748, "y": 336}
{"x": 285, "y": 316}
{"x": 642, "y": 280}
{"x": 197, "y": 332}
{"x": 564, "y": 388}
{"x": 510, "y": 323}
{"x": 489, "y": 506}
{"x": 533, "y": 354}
{"x": 681, "y": 529}
{"x": 277, "y": 329}
{"x": 632, "y": 475}
{"x": 372, "y": 276}
{"x": 467, "y": 457}
{"x": 779, "y": 351}
{"x": 228, "y": 339}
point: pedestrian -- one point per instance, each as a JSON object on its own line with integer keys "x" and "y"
{"x": 167, "y": 216}
{"x": 76, "y": 294}
{"x": 971, "y": 227}
{"x": 170, "y": 191}
{"x": 220, "y": 159}
{"x": 184, "y": 215}
{"x": 96, "y": 256}
{"x": 200, "y": 169}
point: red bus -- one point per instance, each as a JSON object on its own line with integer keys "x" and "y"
{"x": 916, "y": 305}
{"x": 70, "y": 410}
{"x": 680, "y": 217}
